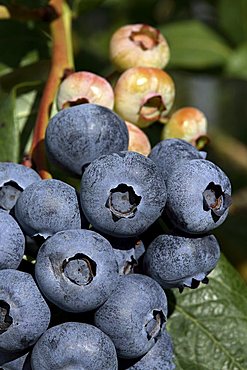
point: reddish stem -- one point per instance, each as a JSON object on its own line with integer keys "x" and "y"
{"x": 60, "y": 63}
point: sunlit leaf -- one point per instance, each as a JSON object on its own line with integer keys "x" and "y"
{"x": 9, "y": 133}
{"x": 232, "y": 18}
{"x": 20, "y": 96}
{"x": 237, "y": 63}
{"x": 26, "y": 108}
{"x": 28, "y": 74}
{"x": 209, "y": 324}
{"x": 194, "y": 45}
{"x": 18, "y": 112}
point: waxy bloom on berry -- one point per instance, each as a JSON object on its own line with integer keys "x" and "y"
{"x": 85, "y": 87}
{"x": 138, "y": 45}
{"x": 189, "y": 124}
{"x": 144, "y": 95}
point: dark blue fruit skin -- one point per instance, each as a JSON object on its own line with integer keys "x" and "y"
{"x": 168, "y": 154}
{"x": 66, "y": 291}
{"x": 46, "y": 207}
{"x": 17, "y": 175}
{"x": 77, "y": 135}
{"x": 27, "y": 308}
{"x": 126, "y": 313}
{"x": 173, "y": 261}
{"x": 12, "y": 242}
{"x": 185, "y": 202}
{"x": 136, "y": 172}
{"x": 73, "y": 345}
{"x": 159, "y": 357}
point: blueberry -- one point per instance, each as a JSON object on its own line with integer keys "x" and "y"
{"x": 178, "y": 261}
{"x": 159, "y": 357}
{"x": 168, "y": 154}
{"x": 77, "y": 135}
{"x": 122, "y": 194}
{"x": 14, "y": 178}
{"x": 73, "y": 345}
{"x": 198, "y": 196}
{"x": 133, "y": 315}
{"x": 12, "y": 242}
{"x": 24, "y": 315}
{"x": 76, "y": 270}
{"x": 46, "y": 207}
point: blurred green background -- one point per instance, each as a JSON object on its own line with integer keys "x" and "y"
{"x": 208, "y": 42}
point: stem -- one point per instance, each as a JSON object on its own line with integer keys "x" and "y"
{"x": 61, "y": 62}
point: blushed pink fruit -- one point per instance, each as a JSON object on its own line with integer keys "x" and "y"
{"x": 189, "y": 124}
{"x": 138, "y": 140}
{"x": 85, "y": 87}
{"x": 144, "y": 95}
{"x": 137, "y": 45}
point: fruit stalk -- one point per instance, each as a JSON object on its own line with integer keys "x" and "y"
{"x": 61, "y": 63}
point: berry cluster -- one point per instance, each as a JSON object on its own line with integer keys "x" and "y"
{"x": 96, "y": 296}
{"x": 141, "y": 92}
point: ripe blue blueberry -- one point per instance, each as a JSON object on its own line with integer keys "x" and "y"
{"x": 198, "y": 196}
{"x": 122, "y": 194}
{"x": 77, "y": 135}
{"x": 73, "y": 345}
{"x": 76, "y": 270}
{"x": 46, "y": 207}
{"x": 169, "y": 153}
{"x": 14, "y": 178}
{"x": 24, "y": 314}
{"x": 134, "y": 315}
{"x": 177, "y": 261}
{"x": 159, "y": 357}
{"x": 12, "y": 242}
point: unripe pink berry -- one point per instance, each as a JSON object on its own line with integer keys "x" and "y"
{"x": 85, "y": 87}
{"x": 137, "y": 45}
{"x": 138, "y": 140}
{"x": 189, "y": 124}
{"x": 144, "y": 95}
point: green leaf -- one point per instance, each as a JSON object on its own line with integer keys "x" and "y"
{"x": 209, "y": 324}
{"x": 9, "y": 134}
{"x": 18, "y": 112}
{"x": 21, "y": 43}
{"x": 27, "y": 74}
{"x": 237, "y": 63}
{"x": 194, "y": 45}
{"x": 22, "y": 90}
{"x": 232, "y": 19}
{"x": 26, "y": 108}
